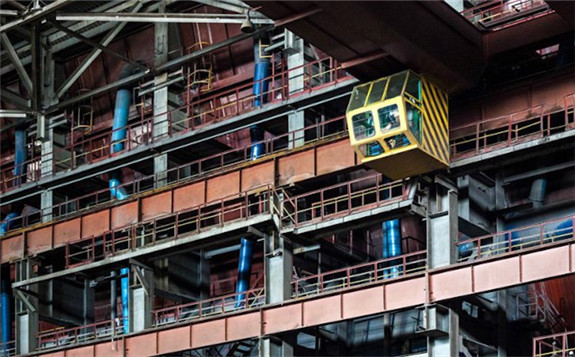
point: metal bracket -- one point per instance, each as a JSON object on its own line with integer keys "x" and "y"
{"x": 20, "y": 295}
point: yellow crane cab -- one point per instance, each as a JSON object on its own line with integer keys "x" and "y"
{"x": 398, "y": 125}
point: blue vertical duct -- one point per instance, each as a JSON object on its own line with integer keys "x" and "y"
{"x": 20, "y": 154}
{"x": 7, "y": 223}
{"x": 261, "y": 72}
{"x": 260, "y": 90}
{"x": 256, "y": 136}
{"x": 244, "y": 270}
{"x": 119, "y": 127}
{"x": 125, "y": 286}
{"x": 391, "y": 245}
{"x": 6, "y": 311}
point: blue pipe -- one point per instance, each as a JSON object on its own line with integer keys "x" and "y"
{"x": 244, "y": 270}
{"x": 125, "y": 286}
{"x": 5, "y": 310}
{"x": 20, "y": 154}
{"x": 121, "y": 111}
{"x": 392, "y": 245}
{"x": 119, "y": 127}
{"x": 261, "y": 71}
{"x": 256, "y": 136}
{"x": 260, "y": 89}
{"x": 7, "y": 223}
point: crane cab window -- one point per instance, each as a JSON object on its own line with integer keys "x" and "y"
{"x": 358, "y": 97}
{"x": 376, "y": 92}
{"x": 413, "y": 86}
{"x": 363, "y": 125}
{"x": 388, "y": 118}
{"x": 414, "y": 120}
{"x": 395, "y": 86}
{"x": 371, "y": 149}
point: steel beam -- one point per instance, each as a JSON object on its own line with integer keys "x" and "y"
{"x": 171, "y": 64}
{"x": 15, "y": 99}
{"x": 100, "y": 47}
{"x": 34, "y": 16}
{"x": 26, "y": 81}
{"x": 167, "y": 17}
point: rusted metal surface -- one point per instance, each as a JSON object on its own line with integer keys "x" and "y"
{"x": 222, "y": 186}
{"x": 124, "y": 215}
{"x": 189, "y": 196}
{"x": 338, "y": 156}
{"x": 95, "y": 223}
{"x": 13, "y": 249}
{"x": 387, "y": 295}
{"x": 156, "y": 205}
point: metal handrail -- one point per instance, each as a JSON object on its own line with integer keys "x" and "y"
{"x": 210, "y": 307}
{"x": 361, "y": 274}
{"x": 530, "y": 236}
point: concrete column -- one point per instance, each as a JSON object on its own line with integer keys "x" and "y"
{"x": 442, "y": 223}
{"x": 296, "y": 122}
{"x": 161, "y": 124}
{"x": 447, "y": 345}
{"x": 279, "y": 265}
{"x": 26, "y": 311}
{"x": 273, "y": 346}
{"x": 141, "y": 299}
{"x": 294, "y": 47}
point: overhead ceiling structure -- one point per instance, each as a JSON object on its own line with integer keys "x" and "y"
{"x": 429, "y": 37}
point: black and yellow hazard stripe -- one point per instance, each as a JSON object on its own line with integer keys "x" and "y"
{"x": 435, "y": 123}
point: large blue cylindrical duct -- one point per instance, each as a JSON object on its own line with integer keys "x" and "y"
{"x": 20, "y": 154}
{"x": 121, "y": 112}
{"x": 392, "y": 245}
{"x": 119, "y": 127}
{"x": 7, "y": 223}
{"x": 260, "y": 90}
{"x": 5, "y": 310}
{"x": 261, "y": 72}
{"x": 244, "y": 270}
{"x": 125, "y": 286}
{"x": 256, "y": 136}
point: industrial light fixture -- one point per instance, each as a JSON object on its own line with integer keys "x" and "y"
{"x": 247, "y": 25}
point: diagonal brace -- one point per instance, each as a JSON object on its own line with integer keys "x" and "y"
{"x": 26, "y": 81}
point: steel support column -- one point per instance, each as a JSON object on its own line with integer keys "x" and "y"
{"x": 294, "y": 47}
{"x": 442, "y": 223}
{"x": 278, "y": 264}
{"x": 161, "y": 124}
{"x": 273, "y": 346}
{"x": 141, "y": 298}
{"x": 26, "y": 310}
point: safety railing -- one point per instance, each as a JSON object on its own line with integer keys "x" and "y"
{"x": 172, "y": 226}
{"x": 342, "y": 200}
{"x": 8, "y": 349}
{"x": 30, "y": 171}
{"x": 556, "y": 345}
{"x": 204, "y": 111}
{"x": 198, "y": 113}
{"x": 516, "y": 239}
{"x": 362, "y": 274}
{"x": 313, "y": 134}
{"x": 534, "y": 304}
{"x": 503, "y": 13}
{"x": 210, "y": 307}
{"x": 526, "y": 125}
{"x": 87, "y": 333}
{"x": 98, "y": 147}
